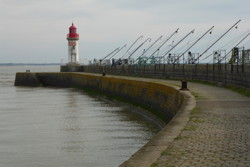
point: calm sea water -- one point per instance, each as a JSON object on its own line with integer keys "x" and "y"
{"x": 65, "y": 127}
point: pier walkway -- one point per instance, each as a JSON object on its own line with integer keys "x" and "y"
{"x": 217, "y": 133}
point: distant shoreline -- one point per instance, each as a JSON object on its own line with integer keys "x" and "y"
{"x": 28, "y": 64}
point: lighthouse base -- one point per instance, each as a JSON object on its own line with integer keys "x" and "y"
{"x": 71, "y": 68}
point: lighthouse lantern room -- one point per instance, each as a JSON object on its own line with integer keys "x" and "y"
{"x": 73, "y": 37}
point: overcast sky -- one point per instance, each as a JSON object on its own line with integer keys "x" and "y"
{"x": 34, "y": 31}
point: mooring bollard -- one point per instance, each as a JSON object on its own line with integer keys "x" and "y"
{"x": 184, "y": 85}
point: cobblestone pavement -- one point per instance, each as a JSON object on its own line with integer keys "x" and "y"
{"x": 217, "y": 134}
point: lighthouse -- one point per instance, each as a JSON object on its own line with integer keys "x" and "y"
{"x": 73, "y": 37}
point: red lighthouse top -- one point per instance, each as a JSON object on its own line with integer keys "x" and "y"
{"x": 72, "y": 32}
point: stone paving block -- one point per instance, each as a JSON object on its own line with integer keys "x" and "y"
{"x": 216, "y": 135}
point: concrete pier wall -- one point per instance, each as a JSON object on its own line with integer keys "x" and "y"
{"x": 163, "y": 100}
{"x": 27, "y": 79}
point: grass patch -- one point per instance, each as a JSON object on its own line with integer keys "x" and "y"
{"x": 190, "y": 128}
{"x": 204, "y": 82}
{"x": 195, "y": 94}
{"x": 242, "y": 91}
{"x": 197, "y": 120}
{"x": 198, "y": 96}
{"x": 166, "y": 153}
{"x": 156, "y": 165}
{"x": 196, "y": 110}
{"x": 181, "y": 138}
{"x": 194, "y": 117}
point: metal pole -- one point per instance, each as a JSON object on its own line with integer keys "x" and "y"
{"x": 118, "y": 51}
{"x": 218, "y": 39}
{"x": 150, "y": 46}
{"x": 110, "y": 53}
{"x": 176, "y": 31}
{"x": 139, "y": 47}
{"x": 132, "y": 45}
{"x": 236, "y": 46}
{"x": 195, "y": 43}
{"x": 179, "y": 42}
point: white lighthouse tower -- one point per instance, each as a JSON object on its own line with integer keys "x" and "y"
{"x": 73, "y": 37}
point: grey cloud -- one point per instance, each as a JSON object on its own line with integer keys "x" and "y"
{"x": 105, "y": 21}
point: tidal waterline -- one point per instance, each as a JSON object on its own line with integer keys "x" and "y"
{"x": 65, "y": 127}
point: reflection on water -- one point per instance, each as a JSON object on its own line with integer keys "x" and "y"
{"x": 65, "y": 127}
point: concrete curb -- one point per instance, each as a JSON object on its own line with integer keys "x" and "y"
{"x": 151, "y": 151}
